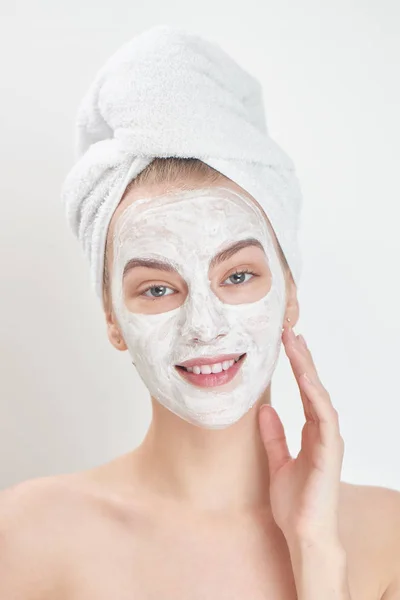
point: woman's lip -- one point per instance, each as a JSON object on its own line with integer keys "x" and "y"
{"x": 213, "y": 379}
{"x": 205, "y": 360}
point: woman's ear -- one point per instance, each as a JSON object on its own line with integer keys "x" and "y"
{"x": 113, "y": 332}
{"x": 292, "y": 311}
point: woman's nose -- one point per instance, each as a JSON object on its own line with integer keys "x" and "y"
{"x": 202, "y": 340}
{"x": 203, "y": 324}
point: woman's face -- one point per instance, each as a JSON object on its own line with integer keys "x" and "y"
{"x": 196, "y": 275}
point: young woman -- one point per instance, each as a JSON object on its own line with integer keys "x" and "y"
{"x": 197, "y": 287}
{"x": 209, "y": 511}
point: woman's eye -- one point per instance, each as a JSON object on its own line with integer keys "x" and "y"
{"x": 156, "y": 291}
{"x": 239, "y": 277}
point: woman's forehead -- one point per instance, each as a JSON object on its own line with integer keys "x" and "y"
{"x": 190, "y": 214}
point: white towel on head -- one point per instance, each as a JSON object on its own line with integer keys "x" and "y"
{"x": 169, "y": 92}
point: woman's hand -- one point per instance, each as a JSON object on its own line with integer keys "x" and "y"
{"x": 304, "y": 491}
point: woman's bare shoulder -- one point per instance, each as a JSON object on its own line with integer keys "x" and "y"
{"x": 31, "y": 519}
{"x": 58, "y": 503}
{"x": 372, "y": 505}
{"x": 38, "y": 496}
{"x": 370, "y": 531}
{"x": 42, "y": 520}
{"x": 28, "y": 498}
{"x": 52, "y": 498}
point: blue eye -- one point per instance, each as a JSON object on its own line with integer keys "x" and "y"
{"x": 239, "y": 277}
{"x": 159, "y": 291}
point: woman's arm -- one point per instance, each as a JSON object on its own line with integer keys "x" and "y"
{"x": 320, "y": 570}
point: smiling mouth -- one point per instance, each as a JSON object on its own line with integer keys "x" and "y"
{"x": 207, "y": 369}
{"x": 211, "y": 375}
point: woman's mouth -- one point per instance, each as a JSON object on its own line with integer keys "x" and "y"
{"x": 211, "y": 372}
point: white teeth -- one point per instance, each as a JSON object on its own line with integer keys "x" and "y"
{"x": 208, "y": 369}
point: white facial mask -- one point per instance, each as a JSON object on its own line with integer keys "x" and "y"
{"x": 187, "y": 229}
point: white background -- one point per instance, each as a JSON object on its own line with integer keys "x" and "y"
{"x": 330, "y": 72}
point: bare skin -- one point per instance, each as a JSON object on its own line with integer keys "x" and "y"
{"x": 185, "y": 515}
{"x": 103, "y": 534}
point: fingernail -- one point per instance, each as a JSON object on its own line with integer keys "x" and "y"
{"x": 302, "y": 341}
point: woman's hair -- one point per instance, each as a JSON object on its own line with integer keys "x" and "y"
{"x": 176, "y": 171}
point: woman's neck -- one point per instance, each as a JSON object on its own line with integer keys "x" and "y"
{"x": 210, "y": 470}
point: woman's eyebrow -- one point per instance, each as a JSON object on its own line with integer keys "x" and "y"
{"x": 233, "y": 249}
{"x": 160, "y": 265}
{"x": 149, "y": 263}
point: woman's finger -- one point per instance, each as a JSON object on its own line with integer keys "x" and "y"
{"x": 274, "y": 438}
{"x": 298, "y": 354}
{"x": 294, "y": 359}
{"x": 311, "y": 386}
{"x": 328, "y": 417}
